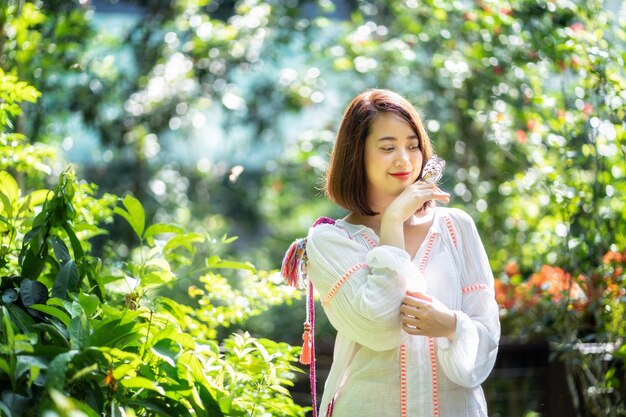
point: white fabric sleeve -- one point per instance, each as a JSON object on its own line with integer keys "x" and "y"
{"x": 366, "y": 307}
{"x": 470, "y": 356}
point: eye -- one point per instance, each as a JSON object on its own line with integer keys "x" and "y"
{"x": 387, "y": 149}
{"x": 414, "y": 147}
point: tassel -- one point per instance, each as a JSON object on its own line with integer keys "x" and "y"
{"x": 323, "y": 220}
{"x": 305, "y": 356}
{"x": 291, "y": 268}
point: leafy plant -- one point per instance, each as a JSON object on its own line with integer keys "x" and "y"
{"x": 96, "y": 337}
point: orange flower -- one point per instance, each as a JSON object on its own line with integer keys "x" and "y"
{"x": 557, "y": 283}
{"x": 504, "y": 294}
{"x": 612, "y": 256}
{"x": 511, "y": 268}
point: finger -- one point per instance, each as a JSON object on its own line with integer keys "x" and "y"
{"x": 412, "y": 302}
{"x": 411, "y": 330}
{"x": 420, "y": 296}
{"x": 411, "y": 321}
{"x": 408, "y": 310}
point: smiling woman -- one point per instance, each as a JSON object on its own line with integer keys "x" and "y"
{"x": 406, "y": 284}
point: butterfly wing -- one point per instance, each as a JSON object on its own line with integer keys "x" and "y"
{"x": 433, "y": 170}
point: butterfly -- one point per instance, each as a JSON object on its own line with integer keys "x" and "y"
{"x": 433, "y": 170}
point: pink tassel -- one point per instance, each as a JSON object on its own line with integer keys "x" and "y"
{"x": 291, "y": 269}
{"x": 305, "y": 356}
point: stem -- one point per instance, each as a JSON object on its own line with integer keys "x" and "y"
{"x": 143, "y": 354}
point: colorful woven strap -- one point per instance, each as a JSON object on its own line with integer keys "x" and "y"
{"x": 293, "y": 270}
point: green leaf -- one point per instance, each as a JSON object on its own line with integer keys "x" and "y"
{"x": 71, "y": 405}
{"x": 37, "y": 198}
{"x": 79, "y": 332}
{"x": 161, "y": 228}
{"x": 158, "y": 406}
{"x": 66, "y": 280}
{"x": 217, "y": 262}
{"x": 61, "y": 252}
{"x": 280, "y": 389}
{"x": 32, "y": 265}
{"x": 33, "y": 292}
{"x": 114, "y": 333}
{"x": 141, "y": 382}
{"x": 9, "y": 188}
{"x": 59, "y": 339}
{"x": 76, "y": 245}
{"x": 4, "y": 366}
{"x": 56, "y": 375}
{"x": 53, "y": 311}
{"x": 7, "y": 207}
{"x": 90, "y": 303}
{"x": 167, "y": 350}
{"x": 21, "y": 318}
{"x": 9, "y": 296}
{"x": 186, "y": 240}
{"x": 134, "y": 214}
{"x": 211, "y": 406}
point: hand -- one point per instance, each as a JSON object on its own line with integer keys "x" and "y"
{"x": 412, "y": 198}
{"x": 424, "y": 316}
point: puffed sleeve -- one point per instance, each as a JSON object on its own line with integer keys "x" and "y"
{"x": 469, "y": 357}
{"x": 361, "y": 288}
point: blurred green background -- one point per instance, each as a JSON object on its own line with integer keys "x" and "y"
{"x": 219, "y": 116}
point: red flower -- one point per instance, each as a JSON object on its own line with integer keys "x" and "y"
{"x": 520, "y": 135}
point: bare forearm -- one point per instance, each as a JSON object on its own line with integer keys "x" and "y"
{"x": 392, "y": 230}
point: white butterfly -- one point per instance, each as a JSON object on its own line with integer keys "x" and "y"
{"x": 433, "y": 170}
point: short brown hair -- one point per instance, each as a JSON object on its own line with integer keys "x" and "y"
{"x": 346, "y": 180}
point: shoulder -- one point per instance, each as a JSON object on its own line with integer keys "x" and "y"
{"x": 324, "y": 231}
{"x": 458, "y": 216}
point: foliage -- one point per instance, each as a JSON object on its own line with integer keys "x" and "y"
{"x": 103, "y": 343}
{"x": 85, "y": 336}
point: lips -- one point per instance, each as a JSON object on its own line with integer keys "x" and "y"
{"x": 401, "y": 175}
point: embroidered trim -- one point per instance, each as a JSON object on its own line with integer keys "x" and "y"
{"x": 403, "y": 397}
{"x": 433, "y": 367}
{"x": 429, "y": 247}
{"x": 331, "y": 406}
{"x": 450, "y": 229}
{"x": 341, "y": 281}
{"x": 474, "y": 287}
{"x": 368, "y": 239}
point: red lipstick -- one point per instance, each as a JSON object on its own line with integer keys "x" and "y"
{"x": 404, "y": 175}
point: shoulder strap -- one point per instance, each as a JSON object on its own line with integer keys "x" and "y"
{"x": 293, "y": 270}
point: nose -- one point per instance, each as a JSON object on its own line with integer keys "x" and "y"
{"x": 402, "y": 160}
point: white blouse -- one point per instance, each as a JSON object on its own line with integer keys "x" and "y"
{"x": 378, "y": 369}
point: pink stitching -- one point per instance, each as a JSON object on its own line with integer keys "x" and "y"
{"x": 403, "y": 405}
{"x": 429, "y": 247}
{"x": 433, "y": 366}
{"x": 474, "y": 287}
{"x": 451, "y": 229}
{"x": 368, "y": 239}
{"x": 341, "y": 281}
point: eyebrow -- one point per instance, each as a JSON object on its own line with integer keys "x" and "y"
{"x": 393, "y": 138}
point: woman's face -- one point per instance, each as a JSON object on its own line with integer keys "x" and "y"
{"x": 393, "y": 158}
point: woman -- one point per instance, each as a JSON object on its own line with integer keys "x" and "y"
{"x": 406, "y": 284}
